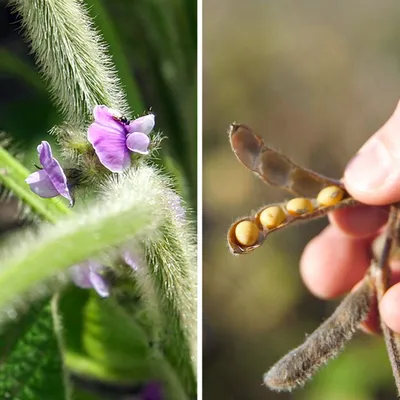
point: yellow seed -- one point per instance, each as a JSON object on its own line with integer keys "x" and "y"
{"x": 271, "y": 217}
{"x": 246, "y": 233}
{"x": 299, "y": 206}
{"x": 330, "y": 196}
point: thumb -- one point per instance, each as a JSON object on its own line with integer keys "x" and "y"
{"x": 373, "y": 174}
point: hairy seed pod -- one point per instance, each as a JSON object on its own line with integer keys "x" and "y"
{"x": 299, "y": 206}
{"x": 272, "y": 217}
{"x": 246, "y": 233}
{"x": 325, "y": 343}
{"x": 330, "y": 196}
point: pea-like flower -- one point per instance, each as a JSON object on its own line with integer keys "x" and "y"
{"x": 113, "y": 137}
{"x": 88, "y": 275}
{"x": 51, "y": 180}
{"x": 152, "y": 391}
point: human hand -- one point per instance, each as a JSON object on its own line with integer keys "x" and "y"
{"x": 334, "y": 261}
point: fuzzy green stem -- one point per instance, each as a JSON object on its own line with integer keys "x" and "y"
{"x": 38, "y": 256}
{"x": 72, "y": 57}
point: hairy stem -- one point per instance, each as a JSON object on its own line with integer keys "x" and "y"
{"x": 72, "y": 57}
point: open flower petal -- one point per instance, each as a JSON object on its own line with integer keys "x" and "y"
{"x": 87, "y": 275}
{"x": 132, "y": 259}
{"x": 80, "y": 275}
{"x": 41, "y": 184}
{"x": 99, "y": 283}
{"x": 106, "y": 117}
{"x": 143, "y": 124}
{"x": 138, "y": 142}
{"x": 54, "y": 171}
{"x": 110, "y": 147}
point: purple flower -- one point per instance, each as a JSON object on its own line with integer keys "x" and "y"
{"x": 132, "y": 260}
{"x": 152, "y": 391}
{"x": 51, "y": 180}
{"x": 87, "y": 275}
{"x": 113, "y": 137}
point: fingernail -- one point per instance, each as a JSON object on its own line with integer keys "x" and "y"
{"x": 370, "y": 168}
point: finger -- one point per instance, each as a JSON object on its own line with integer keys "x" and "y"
{"x": 332, "y": 263}
{"x": 389, "y": 307}
{"x": 372, "y": 176}
{"x": 361, "y": 221}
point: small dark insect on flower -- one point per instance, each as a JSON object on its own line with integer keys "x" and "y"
{"x": 124, "y": 120}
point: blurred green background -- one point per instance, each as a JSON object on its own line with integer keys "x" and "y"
{"x": 154, "y": 46}
{"x": 315, "y": 79}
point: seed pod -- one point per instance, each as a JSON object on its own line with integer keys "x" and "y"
{"x": 246, "y": 233}
{"x": 271, "y": 217}
{"x": 299, "y": 206}
{"x": 274, "y": 168}
{"x": 330, "y": 195}
{"x": 324, "y": 343}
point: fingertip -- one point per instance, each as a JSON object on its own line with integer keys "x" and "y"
{"x": 372, "y": 175}
{"x": 389, "y": 308}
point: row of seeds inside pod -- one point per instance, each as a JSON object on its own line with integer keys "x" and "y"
{"x": 247, "y": 232}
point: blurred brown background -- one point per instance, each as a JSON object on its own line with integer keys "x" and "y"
{"x": 315, "y": 79}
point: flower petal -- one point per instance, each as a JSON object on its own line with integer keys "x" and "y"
{"x": 138, "y": 142}
{"x": 87, "y": 275}
{"x": 54, "y": 171}
{"x": 80, "y": 275}
{"x": 110, "y": 147}
{"x": 143, "y": 124}
{"x": 132, "y": 260}
{"x": 99, "y": 283}
{"x": 106, "y": 117}
{"x": 41, "y": 184}
{"x": 152, "y": 391}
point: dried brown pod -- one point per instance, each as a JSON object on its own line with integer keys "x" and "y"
{"x": 325, "y": 343}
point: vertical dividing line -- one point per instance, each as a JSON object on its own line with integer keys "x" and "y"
{"x": 199, "y": 199}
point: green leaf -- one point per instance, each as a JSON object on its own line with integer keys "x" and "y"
{"x": 31, "y": 364}
{"x": 105, "y": 343}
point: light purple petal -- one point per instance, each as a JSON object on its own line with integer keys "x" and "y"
{"x": 143, "y": 124}
{"x": 132, "y": 260}
{"x": 80, "y": 275}
{"x": 54, "y": 170}
{"x": 138, "y": 142}
{"x": 99, "y": 283}
{"x": 87, "y": 275}
{"x": 106, "y": 117}
{"x": 41, "y": 184}
{"x": 110, "y": 147}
